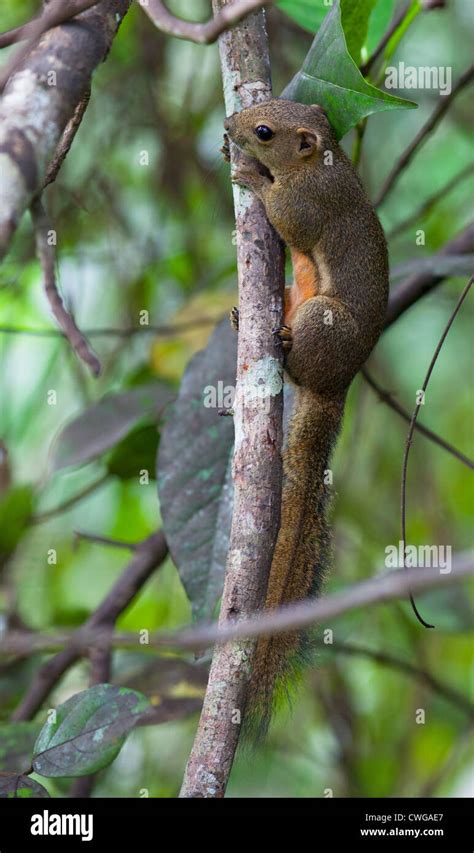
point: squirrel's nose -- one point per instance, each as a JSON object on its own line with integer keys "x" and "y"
{"x": 228, "y": 122}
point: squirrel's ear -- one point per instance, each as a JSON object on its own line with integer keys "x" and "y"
{"x": 320, "y": 109}
{"x": 307, "y": 141}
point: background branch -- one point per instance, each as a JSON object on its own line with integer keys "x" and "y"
{"x": 150, "y": 554}
{"x": 430, "y": 202}
{"x": 388, "y": 398}
{"x": 379, "y": 589}
{"x": 441, "y": 109}
{"x": 228, "y": 16}
{"x": 47, "y": 257}
{"x": 33, "y": 116}
{"x": 413, "y": 288}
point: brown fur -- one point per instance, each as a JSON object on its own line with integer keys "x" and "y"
{"x": 336, "y": 310}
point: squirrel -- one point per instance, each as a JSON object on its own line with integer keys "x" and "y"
{"x": 334, "y": 313}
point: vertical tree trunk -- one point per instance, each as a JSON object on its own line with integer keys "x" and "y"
{"x": 258, "y": 431}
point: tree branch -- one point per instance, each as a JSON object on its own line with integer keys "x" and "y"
{"x": 258, "y": 432}
{"x": 380, "y": 589}
{"x": 386, "y": 659}
{"x": 430, "y": 202}
{"x": 388, "y": 398}
{"x": 46, "y": 254}
{"x": 41, "y": 517}
{"x": 228, "y": 16}
{"x": 103, "y": 540}
{"x": 53, "y": 15}
{"x": 106, "y": 332}
{"x": 40, "y": 99}
{"x": 67, "y": 139}
{"x": 377, "y": 590}
{"x": 150, "y": 554}
{"x": 413, "y": 288}
{"x": 441, "y": 108}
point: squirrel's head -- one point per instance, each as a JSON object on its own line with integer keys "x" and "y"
{"x": 281, "y": 134}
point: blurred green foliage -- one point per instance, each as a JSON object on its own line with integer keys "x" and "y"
{"x": 159, "y": 237}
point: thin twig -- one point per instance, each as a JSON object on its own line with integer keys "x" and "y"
{"x": 384, "y": 587}
{"x": 386, "y": 659}
{"x": 171, "y": 329}
{"x": 41, "y": 517}
{"x": 46, "y": 255}
{"x": 67, "y": 139}
{"x": 150, "y": 554}
{"x": 442, "y": 107}
{"x": 411, "y": 431}
{"x": 366, "y": 67}
{"x": 388, "y": 398}
{"x": 21, "y": 644}
{"x": 54, "y": 14}
{"x": 104, "y": 540}
{"x": 206, "y": 33}
{"x": 430, "y": 202}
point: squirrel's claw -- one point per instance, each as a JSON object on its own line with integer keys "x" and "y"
{"x": 284, "y": 336}
{"x": 234, "y": 319}
{"x": 225, "y": 150}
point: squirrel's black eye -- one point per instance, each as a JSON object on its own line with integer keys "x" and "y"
{"x": 263, "y": 132}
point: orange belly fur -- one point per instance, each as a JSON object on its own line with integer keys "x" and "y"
{"x": 305, "y": 284}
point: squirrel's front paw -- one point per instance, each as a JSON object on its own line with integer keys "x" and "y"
{"x": 234, "y": 319}
{"x": 225, "y": 150}
{"x": 244, "y": 177}
{"x": 285, "y": 337}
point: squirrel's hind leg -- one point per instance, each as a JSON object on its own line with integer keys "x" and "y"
{"x": 328, "y": 346}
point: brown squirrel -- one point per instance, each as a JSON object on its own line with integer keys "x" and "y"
{"x": 334, "y": 314}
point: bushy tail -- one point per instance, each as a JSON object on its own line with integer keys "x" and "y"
{"x": 302, "y": 547}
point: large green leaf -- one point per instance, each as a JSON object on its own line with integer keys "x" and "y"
{"x": 104, "y": 424}
{"x": 18, "y": 787}
{"x": 193, "y": 474}
{"x": 88, "y": 731}
{"x": 16, "y": 745}
{"x": 331, "y": 78}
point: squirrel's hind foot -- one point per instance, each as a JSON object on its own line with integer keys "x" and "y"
{"x": 225, "y": 150}
{"x": 285, "y": 337}
{"x": 234, "y": 318}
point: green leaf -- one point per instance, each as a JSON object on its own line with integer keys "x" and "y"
{"x": 193, "y": 473}
{"x": 378, "y": 23}
{"x": 355, "y": 22}
{"x": 16, "y": 506}
{"x": 135, "y": 453}
{"x": 16, "y": 745}
{"x": 13, "y": 786}
{"x": 330, "y": 77}
{"x": 307, "y": 13}
{"x": 88, "y": 731}
{"x": 104, "y": 424}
